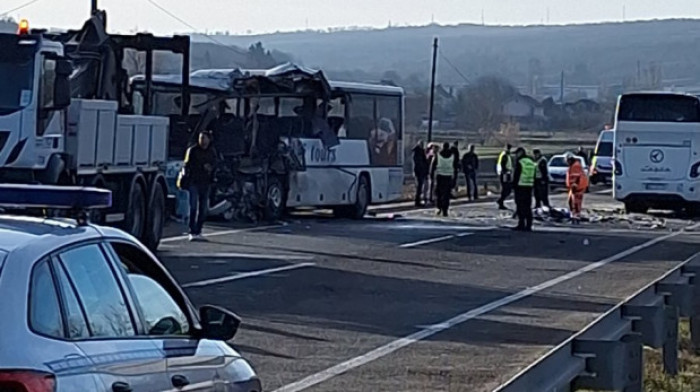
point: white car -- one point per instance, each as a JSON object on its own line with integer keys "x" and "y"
{"x": 557, "y": 168}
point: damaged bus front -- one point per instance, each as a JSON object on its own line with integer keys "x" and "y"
{"x": 289, "y": 138}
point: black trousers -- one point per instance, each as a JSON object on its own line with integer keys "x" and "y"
{"x": 472, "y": 187}
{"x": 443, "y": 192}
{"x": 523, "y": 202}
{"x": 506, "y": 189}
{"x": 420, "y": 184}
{"x": 541, "y": 194}
{"x": 199, "y": 205}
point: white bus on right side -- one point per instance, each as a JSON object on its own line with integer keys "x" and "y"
{"x": 657, "y": 151}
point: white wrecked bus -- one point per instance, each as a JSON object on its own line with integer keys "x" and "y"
{"x": 657, "y": 151}
{"x": 289, "y": 138}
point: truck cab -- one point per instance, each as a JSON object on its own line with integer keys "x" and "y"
{"x": 34, "y": 75}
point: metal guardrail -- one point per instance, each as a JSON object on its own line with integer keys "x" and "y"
{"x": 607, "y": 355}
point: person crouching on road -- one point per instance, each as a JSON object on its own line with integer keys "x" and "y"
{"x": 504, "y": 168}
{"x": 576, "y": 183}
{"x": 200, "y": 160}
{"x": 523, "y": 182}
{"x": 541, "y": 181}
{"x": 443, "y": 167}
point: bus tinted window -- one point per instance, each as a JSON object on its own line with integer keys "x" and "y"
{"x": 659, "y": 108}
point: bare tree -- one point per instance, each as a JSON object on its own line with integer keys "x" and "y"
{"x": 481, "y": 105}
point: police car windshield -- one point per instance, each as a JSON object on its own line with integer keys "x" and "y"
{"x": 558, "y": 162}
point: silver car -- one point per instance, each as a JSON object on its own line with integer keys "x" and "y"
{"x": 88, "y": 308}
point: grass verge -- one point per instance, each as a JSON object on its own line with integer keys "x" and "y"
{"x": 688, "y": 379}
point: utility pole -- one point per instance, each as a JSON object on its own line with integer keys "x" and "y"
{"x": 483, "y": 21}
{"x": 432, "y": 91}
{"x": 561, "y": 89}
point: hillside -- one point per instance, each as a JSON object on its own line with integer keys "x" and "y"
{"x": 590, "y": 54}
{"x": 205, "y": 54}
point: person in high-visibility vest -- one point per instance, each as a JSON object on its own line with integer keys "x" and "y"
{"x": 443, "y": 167}
{"x": 541, "y": 180}
{"x": 524, "y": 181}
{"x": 576, "y": 183}
{"x": 504, "y": 169}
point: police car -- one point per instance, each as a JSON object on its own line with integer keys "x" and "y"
{"x": 88, "y": 308}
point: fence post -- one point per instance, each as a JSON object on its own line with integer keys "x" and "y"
{"x": 670, "y": 348}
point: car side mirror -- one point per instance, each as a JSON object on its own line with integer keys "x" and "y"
{"x": 218, "y": 323}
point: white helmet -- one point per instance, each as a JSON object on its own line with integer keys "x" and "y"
{"x": 568, "y": 155}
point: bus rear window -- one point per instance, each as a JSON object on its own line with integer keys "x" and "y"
{"x": 659, "y": 108}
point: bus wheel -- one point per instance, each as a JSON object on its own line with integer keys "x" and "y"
{"x": 276, "y": 199}
{"x": 359, "y": 209}
{"x": 156, "y": 218}
{"x": 636, "y": 208}
{"x": 136, "y": 212}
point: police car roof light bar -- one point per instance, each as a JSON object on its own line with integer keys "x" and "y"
{"x": 54, "y": 197}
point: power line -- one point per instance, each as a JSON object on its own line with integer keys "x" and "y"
{"x": 19, "y": 7}
{"x": 185, "y": 23}
{"x": 466, "y": 79}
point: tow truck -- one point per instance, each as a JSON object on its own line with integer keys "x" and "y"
{"x": 66, "y": 119}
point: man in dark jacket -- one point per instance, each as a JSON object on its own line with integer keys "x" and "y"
{"x": 200, "y": 161}
{"x": 541, "y": 180}
{"x": 420, "y": 170}
{"x": 470, "y": 166}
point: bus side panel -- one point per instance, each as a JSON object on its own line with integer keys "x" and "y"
{"x": 321, "y": 186}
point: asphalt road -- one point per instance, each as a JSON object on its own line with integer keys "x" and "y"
{"x": 419, "y": 303}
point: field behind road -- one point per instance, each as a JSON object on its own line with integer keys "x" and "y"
{"x": 417, "y": 303}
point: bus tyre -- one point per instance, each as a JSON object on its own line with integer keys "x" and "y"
{"x": 156, "y": 217}
{"x": 636, "y": 207}
{"x": 136, "y": 211}
{"x": 275, "y": 199}
{"x": 359, "y": 209}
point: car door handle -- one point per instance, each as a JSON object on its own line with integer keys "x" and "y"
{"x": 180, "y": 381}
{"x": 121, "y": 387}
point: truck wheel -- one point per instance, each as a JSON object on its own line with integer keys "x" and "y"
{"x": 156, "y": 218}
{"x": 359, "y": 209}
{"x": 275, "y": 199}
{"x": 636, "y": 208}
{"x": 136, "y": 212}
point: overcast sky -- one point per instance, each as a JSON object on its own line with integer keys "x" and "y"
{"x": 254, "y": 16}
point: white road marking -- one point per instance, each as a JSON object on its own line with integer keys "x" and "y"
{"x": 434, "y": 240}
{"x": 237, "y": 255}
{"x": 246, "y": 275}
{"x": 431, "y": 330}
{"x": 220, "y": 233}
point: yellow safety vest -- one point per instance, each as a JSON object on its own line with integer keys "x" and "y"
{"x": 527, "y": 172}
{"x": 538, "y": 172}
{"x": 445, "y": 166}
{"x": 509, "y": 162}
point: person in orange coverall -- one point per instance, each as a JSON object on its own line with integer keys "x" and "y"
{"x": 576, "y": 183}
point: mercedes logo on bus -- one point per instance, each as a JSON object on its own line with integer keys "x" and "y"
{"x": 656, "y": 156}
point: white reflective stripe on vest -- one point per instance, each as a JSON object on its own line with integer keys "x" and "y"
{"x": 445, "y": 166}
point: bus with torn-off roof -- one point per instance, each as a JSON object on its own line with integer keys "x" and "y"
{"x": 288, "y": 138}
